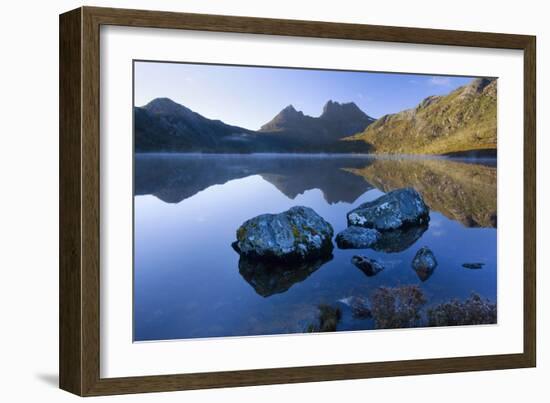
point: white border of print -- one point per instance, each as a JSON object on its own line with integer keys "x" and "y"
{"x": 121, "y": 357}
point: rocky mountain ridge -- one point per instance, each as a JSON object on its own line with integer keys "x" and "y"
{"x": 461, "y": 122}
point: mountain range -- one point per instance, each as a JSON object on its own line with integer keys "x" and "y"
{"x": 464, "y": 121}
{"x": 164, "y": 125}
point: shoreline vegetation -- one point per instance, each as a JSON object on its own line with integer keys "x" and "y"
{"x": 406, "y": 307}
{"x": 462, "y": 123}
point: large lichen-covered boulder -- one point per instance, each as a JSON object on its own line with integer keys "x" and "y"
{"x": 298, "y": 234}
{"x": 396, "y": 209}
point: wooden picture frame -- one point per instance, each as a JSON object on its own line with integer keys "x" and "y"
{"x": 79, "y": 346}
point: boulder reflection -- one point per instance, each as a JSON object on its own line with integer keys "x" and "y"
{"x": 424, "y": 273}
{"x": 269, "y": 278}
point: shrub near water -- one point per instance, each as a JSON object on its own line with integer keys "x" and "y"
{"x": 399, "y": 307}
{"x": 473, "y": 311}
{"x": 404, "y": 307}
{"x": 329, "y": 318}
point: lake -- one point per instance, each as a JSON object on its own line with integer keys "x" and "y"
{"x": 189, "y": 283}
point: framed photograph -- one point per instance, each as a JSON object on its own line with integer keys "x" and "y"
{"x": 250, "y": 201}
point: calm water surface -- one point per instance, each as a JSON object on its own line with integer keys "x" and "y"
{"x": 187, "y": 279}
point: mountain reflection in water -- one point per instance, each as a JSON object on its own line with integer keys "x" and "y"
{"x": 173, "y": 178}
{"x": 190, "y": 283}
{"x": 462, "y": 190}
{"x": 465, "y": 192}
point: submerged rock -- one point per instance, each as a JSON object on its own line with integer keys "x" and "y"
{"x": 272, "y": 277}
{"x": 357, "y": 238}
{"x": 424, "y": 263}
{"x": 368, "y": 266}
{"x": 396, "y": 209}
{"x": 298, "y": 234}
{"x": 473, "y": 265}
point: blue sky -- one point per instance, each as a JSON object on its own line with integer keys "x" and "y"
{"x": 252, "y": 96}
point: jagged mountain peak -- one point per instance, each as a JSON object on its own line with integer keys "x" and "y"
{"x": 337, "y": 121}
{"x": 290, "y": 110}
{"x": 347, "y": 111}
{"x": 334, "y": 106}
{"x": 287, "y": 116}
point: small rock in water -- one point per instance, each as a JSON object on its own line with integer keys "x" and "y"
{"x": 473, "y": 265}
{"x": 368, "y": 266}
{"x": 424, "y": 263}
{"x": 396, "y": 209}
{"x": 298, "y": 234}
{"x": 357, "y": 238}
